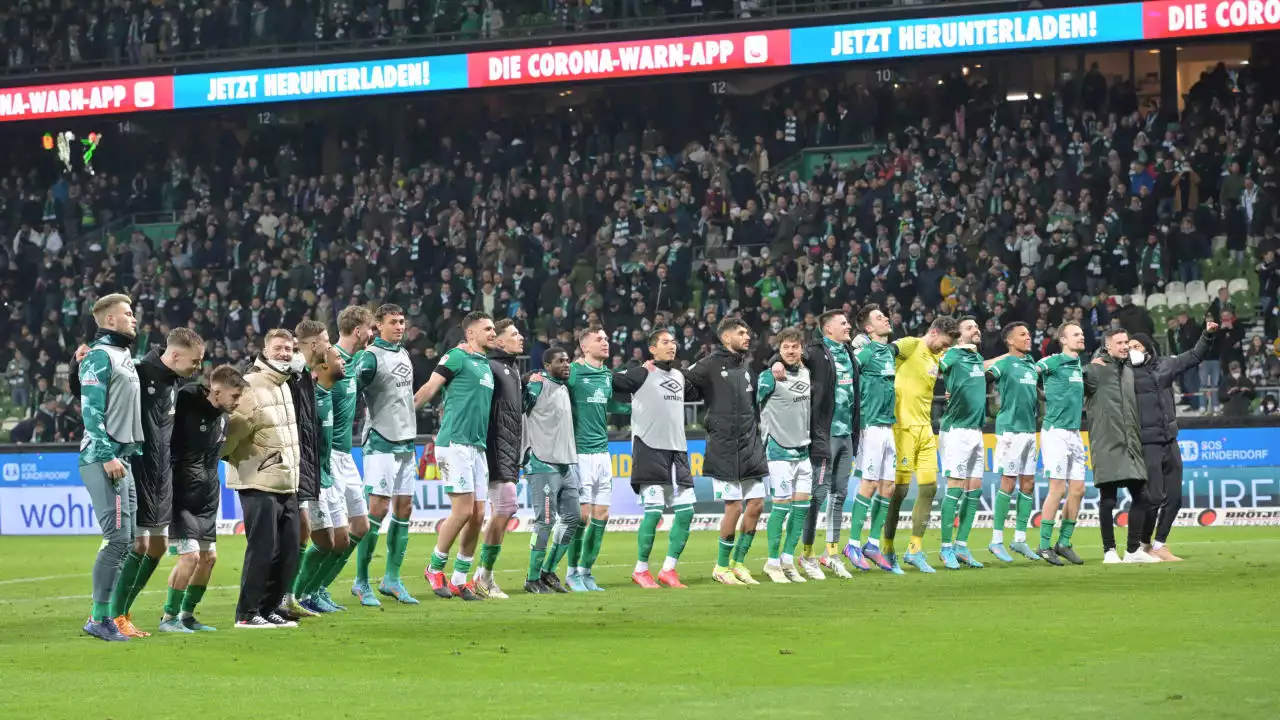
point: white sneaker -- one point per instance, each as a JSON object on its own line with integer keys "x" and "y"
{"x": 773, "y": 571}
{"x": 836, "y": 566}
{"x": 1140, "y": 556}
{"x": 793, "y": 575}
{"x": 811, "y": 568}
{"x": 1111, "y": 558}
{"x": 254, "y": 623}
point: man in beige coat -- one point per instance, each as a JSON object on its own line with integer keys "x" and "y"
{"x": 262, "y": 453}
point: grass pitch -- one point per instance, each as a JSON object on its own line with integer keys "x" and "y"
{"x": 1194, "y": 639}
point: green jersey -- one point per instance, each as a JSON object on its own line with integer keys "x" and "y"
{"x": 388, "y": 392}
{"x": 1063, "y": 391}
{"x": 324, "y": 413}
{"x": 966, "y": 383}
{"x": 344, "y": 404}
{"x": 590, "y": 392}
{"x": 467, "y": 395}
{"x": 844, "y": 389}
{"x": 878, "y": 362}
{"x": 1017, "y": 382}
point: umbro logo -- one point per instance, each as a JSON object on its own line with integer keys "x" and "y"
{"x": 402, "y": 371}
{"x": 671, "y": 386}
{"x": 800, "y": 387}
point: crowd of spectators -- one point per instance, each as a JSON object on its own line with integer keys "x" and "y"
{"x": 1034, "y": 212}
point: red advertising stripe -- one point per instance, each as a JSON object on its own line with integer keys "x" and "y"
{"x": 641, "y": 58}
{"x": 102, "y": 97}
{"x": 1187, "y": 19}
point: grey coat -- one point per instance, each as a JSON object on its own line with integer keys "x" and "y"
{"x": 1111, "y": 406}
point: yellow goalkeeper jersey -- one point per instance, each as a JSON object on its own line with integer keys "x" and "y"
{"x": 913, "y": 386}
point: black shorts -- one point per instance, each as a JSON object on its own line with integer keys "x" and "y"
{"x": 651, "y": 466}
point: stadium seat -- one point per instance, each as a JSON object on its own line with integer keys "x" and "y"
{"x": 1198, "y": 303}
{"x": 1212, "y": 288}
{"x": 1138, "y": 299}
{"x": 1175, "y": 288}
{"x": 1156, "y": 301}
{"x": 1196, "y": 287}
{"x": 1177, "y": 303}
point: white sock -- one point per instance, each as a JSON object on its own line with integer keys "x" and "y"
{"x": 482, "y": 574}
{"x": 962, "y": 543}
{"x": 874, "y": 542}
{"x": 669, "y": 564}
{"x": 185, "y": 614}
{"x": 1020, "y": 536}
{"x": 997, "y": 537}
{"x": 642, "y": 567}
{"x": 1157, "y": 545}
{"x": 458, "y": 578}
{"x": 788, "y": 559}
{"x": 946, "y": 545}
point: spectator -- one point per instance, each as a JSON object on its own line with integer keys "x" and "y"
{"x": 1238, "y": 392}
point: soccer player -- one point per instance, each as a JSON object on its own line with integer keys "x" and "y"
{"x": 591, "y": 387}
{"x": 384, "y": 374}
{"x": 735, "y": 459}
{"x": 329, "y": 538}
{"x": 784, "y": 422}
{"x": 355, "y": 330}
{"x": 960, "y": 440}
{"x": 1061, "y": 446}
{"x": 877, "y": 460}
{"x": 503, "y": 452}
{"x": 112, "y": 406}
{"x": 550, "y": 450}
{"x": 1017, "y": 381}
{"x": 466, "y": 379}
{"x": 160, "y": 374}
{"x": 660, "y": 471}
{"x": 198, "y": 432}
{"x": 914, "y": 441}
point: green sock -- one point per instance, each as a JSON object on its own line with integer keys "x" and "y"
{"x": 145, "y": 571}
{"x": 397, "y": 546}
{"x": 173, "y": 604}
{"x": 950, "y": 504}
{"x": 101, "y": 611}
{"x": 193, "y": 596}
{"x": 438, "y": 561}
{"x": 595, "y": 539}
{"x": 489, "y": 555}
{"x": 648, "y": 531}
{"x": 575, "y": 545}
{"x": 124, "y": 583}
{"x": 726, "y": 551}
{"x": 368, "y": 544}
{"x": 1046, "y": 533}
{"x": 1023, "y": 517}
{"x": 795, "y": 526}
{"x": 743, "y": 546}
{"x": 777, "y": 526}
{"x": 554, "y": 556}
{"x": 1001, "y": 512}
{"x": 462, "y": 565}
{"x": 311, "y": 561}
{"x": 336, "y": 569}
{"x": 536, "y": 558}
{"x": 968, "y": 511}
{"x": 879, "y": 511}
{"x": 679, "y": 531}
{"x": 332, "y": 559}
{"x": 858, "y": 516}
{"x": 1064, "y": 535}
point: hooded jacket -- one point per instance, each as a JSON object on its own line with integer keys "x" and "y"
{"x": 506, "y": 419}
{"x": 1153, "y": 383}
{"x": 197, "y": 443}
{"x": 735, "y": 451}
{"x": 1111, "y": 407}
{"x": 302, "y": 386}
{"x": 262, "y": 447}
{"x": 152, "y": 471}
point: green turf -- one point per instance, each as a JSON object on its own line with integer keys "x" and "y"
{"x": 1195, "y": 639}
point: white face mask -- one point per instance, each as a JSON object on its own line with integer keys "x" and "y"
{"x": 297, "y": 364}
{"x": 1137, "y": 357}
{"x": 1236, "y": 375}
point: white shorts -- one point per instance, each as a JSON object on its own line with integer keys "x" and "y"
{"x": 877, "y": 458}
{"x": 594, "y": 479}
{"x": 186, "y": 546}
{"x": 734, "y": 490}
{"x": 390, "y": 474}
{"x": 463, "y": 469}
{"x": 330, "y": 511}
{"x": 962, "y": 453}
{"x": 1063, "y": 453}
{"x": 790, "y": 477}
{"x": 347, "y": 478}
{"x": 1016, "y": 454}
{"x": 663, "y": 496}
{"x": 156, "y": 531}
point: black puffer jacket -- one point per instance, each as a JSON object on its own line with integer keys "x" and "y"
{"x": 1153, "y": 384}
{"x": 197, "y": 444}
{"x": 734, "y": 448}
{"x": 303, "y": 388}
{"x": 822, "y": 398}
{"x": 152, "y": 472}
{"x": 506, "y": 419}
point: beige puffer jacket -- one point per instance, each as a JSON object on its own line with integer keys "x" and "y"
{"x": 262, "y": 448}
